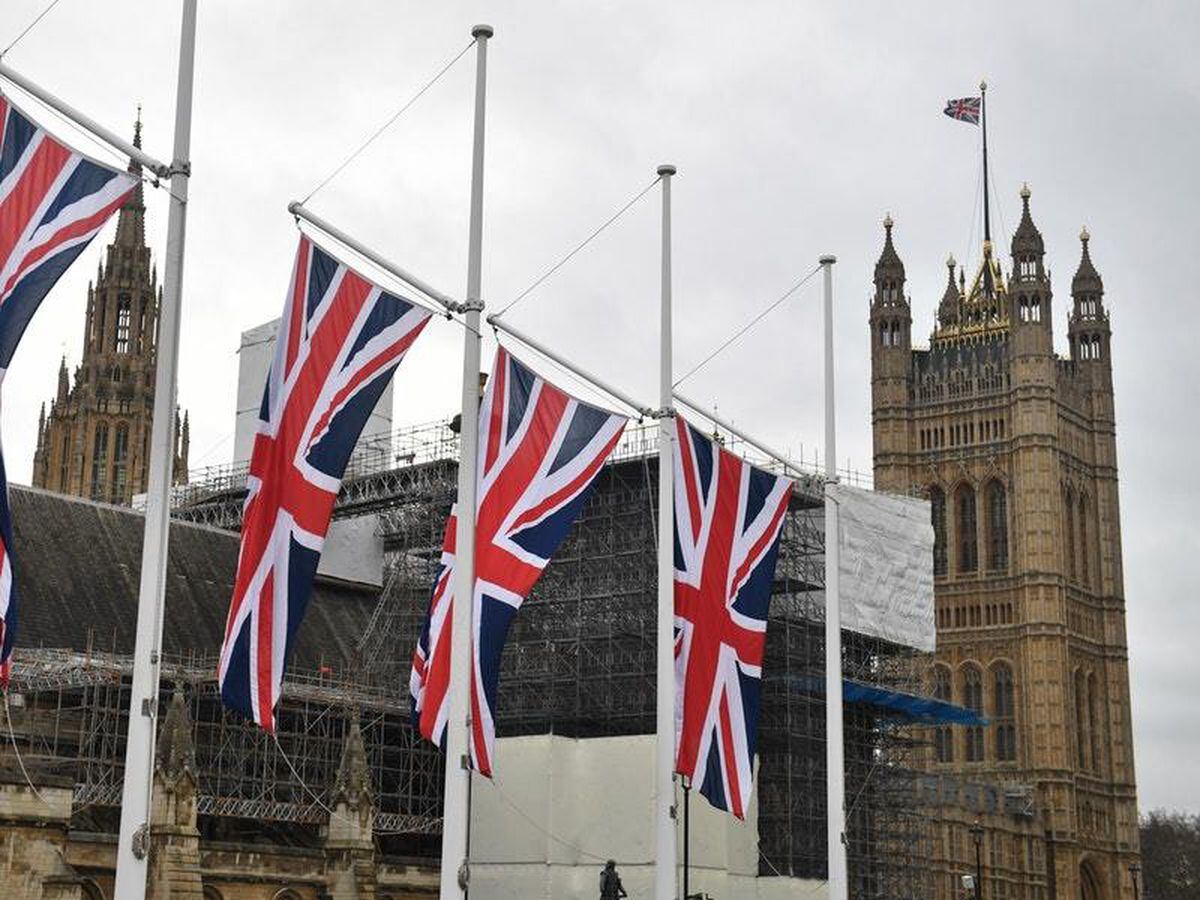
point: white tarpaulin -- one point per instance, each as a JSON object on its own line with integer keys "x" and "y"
{"x": 886, "y": 566}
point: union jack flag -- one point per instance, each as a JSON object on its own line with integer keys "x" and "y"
{"x": 339, "y": 340}
{"x": 965, "y": 109}
{"x": 728, "y": 517}
{"x": 540, "y": 450}
{"x": 52, "y": 202}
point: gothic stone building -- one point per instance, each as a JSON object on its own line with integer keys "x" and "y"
{"x": 95, "y": 442}
{"x": 1015, "y": 448}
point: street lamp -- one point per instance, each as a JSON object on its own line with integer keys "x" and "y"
{"x": 1135, "y": 870}
{"x": 977, "y": 837}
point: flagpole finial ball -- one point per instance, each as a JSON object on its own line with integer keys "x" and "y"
{"x": 827, "y": 260}
{"x": 666, "y": 169}
{"x": 983, "y": 85}
{"x": 482, "y": 31}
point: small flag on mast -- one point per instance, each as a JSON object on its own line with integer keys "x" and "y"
{"x": 965, "y": 109}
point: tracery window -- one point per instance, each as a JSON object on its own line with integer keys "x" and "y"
{"x": 99, "y": 460}
{"x": 123, "y": 317}
{"x": 120, "y": 477}
{"x": 968, "y": 544}
{"x": 997, "y": 513}
{"x": 973, "y": 700}
{"x": 1069, "y": 535}
{"x": 1004, "y": 712}
{"x": 943, "y": 737}
{"x": 937, "y": 507}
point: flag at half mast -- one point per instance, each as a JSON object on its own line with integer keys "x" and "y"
{"x": 53, "y": 201}
{"x": 540, "y": 450}
{"x": 340, "y": 339}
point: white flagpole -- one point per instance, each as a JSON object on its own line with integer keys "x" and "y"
{"x": 456, "y": 815}
{"x": 834, "y": 749}
{"x": 133, "y": 841}
{"x": 664, "y": 768}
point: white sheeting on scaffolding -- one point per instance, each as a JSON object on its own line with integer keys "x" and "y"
{"x": 886, "y": 566}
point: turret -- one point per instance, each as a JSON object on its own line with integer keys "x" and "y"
{"x": 1029, "y": 293}
{"x": 950, "y": 307}
{"x": 1088, "y": 327}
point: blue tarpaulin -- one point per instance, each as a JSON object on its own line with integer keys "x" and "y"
{"x": 909, "y": 707}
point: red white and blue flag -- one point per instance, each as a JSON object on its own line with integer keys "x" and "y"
{"x": 339, "y": 340}
{"x": 540, "y": 450}
{"x": 728, "y": 518}
{"x": 53, "y": 201}
{"x": 965, "y": 109}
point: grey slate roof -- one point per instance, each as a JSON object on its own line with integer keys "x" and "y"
{"x": 78, "y": 565}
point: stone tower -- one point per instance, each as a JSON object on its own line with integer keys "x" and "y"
{"x": 1015, "y": 448}
{"x": 95, "y": 440}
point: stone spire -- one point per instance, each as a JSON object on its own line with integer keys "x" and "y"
{"x": 64, "y": 383}
{"x": 131, "y": 220}
{"x": 1027, "y": 239}
{"x": 951, "y": 298}
{"x": 176, "y": 751}
{"x": 1086, "y": 279}
{"x": 353, "y": 784}
{"x": 889, "y": 264}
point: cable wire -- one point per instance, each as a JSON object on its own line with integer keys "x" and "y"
{"x": 564, "y": 260}
{"x": 762, "y": 315}
{"x": 12, "y": 735}
{"x": 29, "y": 27}
{"x": 384, "y": 127}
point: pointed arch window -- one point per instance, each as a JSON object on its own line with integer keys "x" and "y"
{"x": 1004, "y": 712}
{"x": 943, "y": 737}
{"x": 99, "y": 460}
{"x": 1093, "y": 713}
{"x": 973, "y": 700}
{"x": 1069, "y": 535}
{"x": 1083, "y": 738}
{"x": 937, "y": 508}
{"x": 966, "y": 525}
{"x": 997, "y": 516}
{"x": 1084, "y": 562}
{"x": 124, "y": 312}
{"x": 120, "y": 479}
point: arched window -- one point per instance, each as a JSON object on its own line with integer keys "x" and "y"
{"x": 1093, "y": 700}
{"x": 973, "y": 700}
{"x": 123, "y": 317}
{"x": 1083, "y": 738}
{"x": 99, "y": 460}
{"x": 968, "y": 542}
{"x": 943, "y": 737}
{"x": 1084, "y": 568}
{"x": 64, "y": 463}
{"x": 1004, "y": 712}
{"x": 1069, "y": 535}
{"x": 997, "y": 513}
{"x": 120, "y": 479}
{"x": 937, "y": 508}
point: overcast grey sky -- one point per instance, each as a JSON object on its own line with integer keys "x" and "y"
{"x": 795, "y": 126}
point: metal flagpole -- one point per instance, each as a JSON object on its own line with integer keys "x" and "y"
{"x": 987, "y": 218}
{"x": 133, "y": 842}
{"x": 664, "y": 781}
{"x": 456, "y": 816}
{"x": 834, "y": 750}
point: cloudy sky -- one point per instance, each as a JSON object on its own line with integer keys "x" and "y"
{"x": 795, "y": 126}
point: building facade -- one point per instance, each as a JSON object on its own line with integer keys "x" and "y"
{"x": 1015, "y": 448}
{"x": 95, "y": 440}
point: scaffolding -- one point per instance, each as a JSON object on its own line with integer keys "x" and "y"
{"x": 580, "y": 661}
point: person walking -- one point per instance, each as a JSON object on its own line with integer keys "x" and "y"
{"x": 610, "y": 882}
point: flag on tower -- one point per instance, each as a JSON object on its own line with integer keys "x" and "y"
{"x": 53, "y": 201}
{"x": 728, "y": 518}
{"x": 340, "y": 339}
{"x": 965, "y": 109}
{"x": 540, "y": 450}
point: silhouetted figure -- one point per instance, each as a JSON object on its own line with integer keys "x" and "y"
{"x": 610, "y": 882}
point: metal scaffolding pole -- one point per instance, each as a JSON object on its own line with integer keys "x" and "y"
{"x": 132, "y": 845}
{"x": 455, "y": 872}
